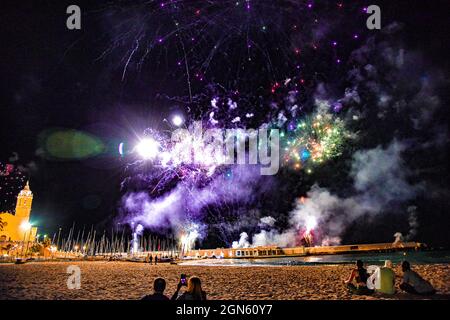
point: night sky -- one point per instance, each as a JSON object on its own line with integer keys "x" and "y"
{"x": 54, "y": 79}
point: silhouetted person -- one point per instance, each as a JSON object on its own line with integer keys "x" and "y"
{"x": 193, "y": 292}
{"x": 357, "y": 282}
{"x": 159, "y": 285}
{"x": 156, "y": 259}
{"x": 414, "y": 283}
{"x": 150, "y": 259}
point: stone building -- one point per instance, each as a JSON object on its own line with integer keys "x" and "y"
{"x": 17, "y": 226}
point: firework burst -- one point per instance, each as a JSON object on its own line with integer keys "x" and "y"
{"x": 313, "y": 140}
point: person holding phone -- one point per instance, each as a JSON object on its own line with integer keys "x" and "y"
{"x": 183, "y": 279}
{"x": 194, "y": 289}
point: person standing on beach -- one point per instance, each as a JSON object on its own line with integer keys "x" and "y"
{"x": 159, "y": 285}
{"x": 357, "y": 282}
{"x": 156, "y": 260}
{"x": 150, "y": 259}
{"x": 414, "y": 283}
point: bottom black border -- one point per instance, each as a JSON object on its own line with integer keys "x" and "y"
{"x": 223, "y": 309}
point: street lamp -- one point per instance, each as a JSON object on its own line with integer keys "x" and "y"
{"x": 25, "y": 226}
{"x": 57, "y": 242}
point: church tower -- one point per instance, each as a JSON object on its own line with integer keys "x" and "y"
{"x": 17, "y": 227}
{"x": 24, "y": 200}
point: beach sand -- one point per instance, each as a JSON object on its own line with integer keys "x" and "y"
{"x": 129, "y": 280}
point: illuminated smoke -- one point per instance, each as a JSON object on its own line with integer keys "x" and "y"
{"x": 413, "y": 221}
{"x": 267, "y": 222}
{"x": 243, "y": 241}
{"x": 188, "y": 235}
{"x": 135, "y": 242}
{"x": 379, "y": 179}
{"x": 398, "y": 238}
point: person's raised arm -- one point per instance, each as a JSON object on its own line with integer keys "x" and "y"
{"x": 352, "y": 276}
{"x": 175, "y": 295}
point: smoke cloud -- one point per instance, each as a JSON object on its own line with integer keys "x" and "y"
{"x": 380, "y": 178}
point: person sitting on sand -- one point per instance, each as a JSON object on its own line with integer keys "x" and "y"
{"x": 387, "y": 279}
{"x": 414, "y": 283}
{"x": 193, "y": 292}
{"x": 357, "y": 282}
{"x": 159, "y": 285}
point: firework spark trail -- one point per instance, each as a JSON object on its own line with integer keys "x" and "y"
{"x": 129, "y": 59}
{"x": 214, "y": 27}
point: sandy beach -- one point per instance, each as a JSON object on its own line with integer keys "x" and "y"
{"x": 128, "y": 280}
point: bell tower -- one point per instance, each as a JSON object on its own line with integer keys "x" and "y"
{"x": 24, "y": 200}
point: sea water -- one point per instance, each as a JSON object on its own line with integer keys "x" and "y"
{"x": 414, "y": 257}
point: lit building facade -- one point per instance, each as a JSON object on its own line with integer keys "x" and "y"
{"x": 17, "y": 226}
